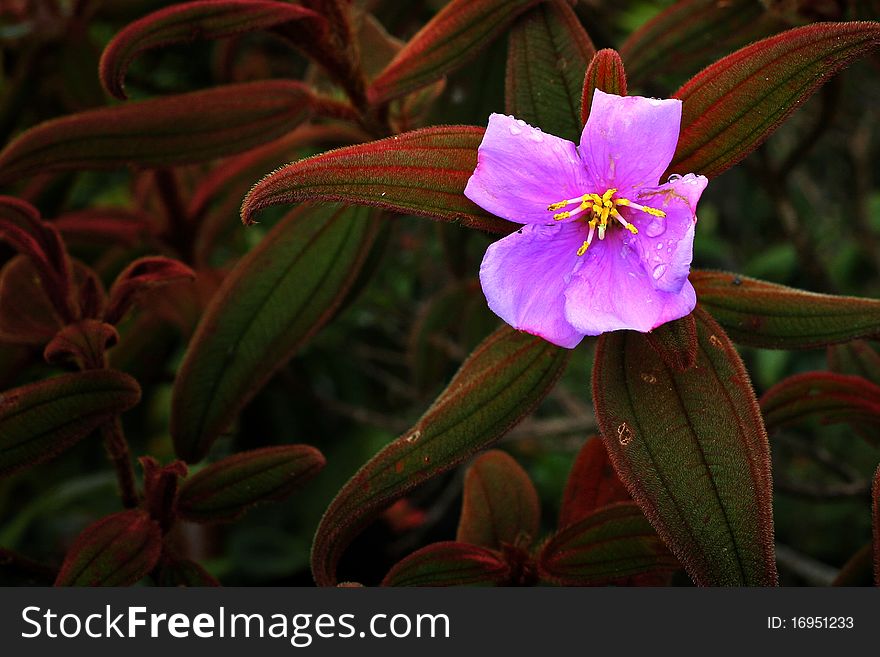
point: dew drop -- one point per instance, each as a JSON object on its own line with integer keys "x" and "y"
{"x": 413, "y": 437}
{"x": 716, "y": 342}
{"x": 660, "y": 246}
{"x": 426, "y": 460}
{"x": 659, "y": 270}
{"x": 383, "y": 194}
{"x": 656, "y": 228}
{"x": 655, "y": 102}
{"x": 624, "y": 434}
{"x": 674, "y": 177}
{"x": 669, "y": 250}
{"x": 647, "y": 377}
{"x": 536, "y": 136}
{"x": 520, "y": 121}
{"x": 515, "y": 130}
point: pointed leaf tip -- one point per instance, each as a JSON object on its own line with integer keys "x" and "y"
{"x": 604, "y": 73}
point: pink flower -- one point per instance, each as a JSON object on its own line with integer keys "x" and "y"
{"x": 604, "y": 245}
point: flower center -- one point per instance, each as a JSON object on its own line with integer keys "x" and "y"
{"x": 601, "y": 209}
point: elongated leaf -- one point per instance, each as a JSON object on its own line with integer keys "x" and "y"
{"x": 191, "y": 127}
{"x": 761, "y": 314}
{"x": 275, "y": 299}
{"x": 592, "y": 484}
{"x": 828, "y": 397}
{"x": 498, "y": 385}
{"x": 27, "y": 314}
{"x": 226, "y": 489}
{"x": 500, "y": 505}
{"x": 449, "y": 564}
{"x": 690, "y": 34}
{"x": 40, "y": 420}
{"x": 857, "y": 357}
{"x": 604, "y": 73}
{"x": 423, "y": 172}
{"x": 205, "y": 19}
{"x": 105, "y": 226}
{"x": 732, "y": 106}
{"x": 140, "y": 275}
{"x": 676, "y": 342}
{"x": 22, "y": 228}
{"x": 548, "y": 52}
{"x": 456, "y": 34}
{"x": 610, "y": 544}
{"x": 115, "y": 551}
{"x": 692, "y": 450}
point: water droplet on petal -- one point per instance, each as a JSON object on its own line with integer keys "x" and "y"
{"x": 655, "y": 102}
{"x": 659, "y": 270}
{"x": 536, "y": 136}
{"x": 656, "y": 228}
{"x": 660, "y": 246}
{"x": 520, "y": 121}
{"x": 674, "y": 177}
{"x": 514, "y": 130}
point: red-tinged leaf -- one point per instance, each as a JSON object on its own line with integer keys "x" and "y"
{"x": 140, "y": 275}
{"x": 276, "y": 298}
{"x": 180, "y": 129}
{"x": 423, "y": 172}
{"x": 21, "y": 226}
{"x": 767, "y": 315}
{"x": 27, "y": 314}
{"x": 40, "y": 420}
{"x": 499, "y": 384}
{"x": 732, "y": 106}
{"x": 84, "y": 344}
{"x": 548, "y": 52}
{"x": 858, "y": 358}
{"x": 160, "y": 489}
{"x": 592, "y": 484}
{"x": 178, "y": 572}
{"x": 610, "y": 544}
{"x": 830, "y": 398}
{"x": 604, "y": 73}
{"x": 692, "y": 450}
{"x": 105, "y": 226}
{"x": 377, "y": 46}
{"x": 117, "y": 550}
{"x": 205, "y": 19}
{"x": 225, "y": 490}
{"x": 676, "y": 342}
{"x": 691, "y": 34}
{"x": 500, "y": 505}
{"x": 875, "y": 512}
{"x": 450, "y": 564}
{"x": 455, "y": 35}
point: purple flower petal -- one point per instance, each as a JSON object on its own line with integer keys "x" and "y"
{"x": 521, "y": 170}
{"x": 666, "y": 244}
{"x": 611, "y": 290}
{"x": 629, "y": 141}
{"x": 524, "y": 277}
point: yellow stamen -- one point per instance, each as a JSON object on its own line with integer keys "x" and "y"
{"x": 601, "y": 209}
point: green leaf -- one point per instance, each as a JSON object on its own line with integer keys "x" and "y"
{"x": 690, "y": 34}
{"x": 592, "y": 484}
{"x": 117, "y": 550}
{"x": 449, "y": 564}
{"x": 610, "y": 544}
{"x": 826, "y": 396}
{"x": 186, "y": 22}
{"x": 225, "y": 490}
{"x": 692, "y": 450}
{"x": 40, "y": 420}
{"x": 456, "y": 34}
{"x": 732, "y": 106}
{"x": 276, "y": 298}
{"x": 548, "y": 52}
{"x": 499, "y": 384}
{"x": 761, "y": 314}
{"x": 423, "y": 172}
{"x": 604, "y": 73}
{"x": 500, "y": 505}
{"x": 676, "y": 342}
{"x": 191, "y": 127}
